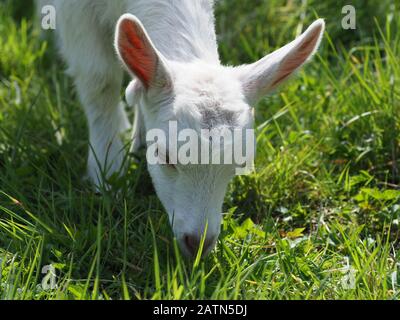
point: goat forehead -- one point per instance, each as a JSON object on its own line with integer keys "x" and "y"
{"x": 208, "y": 82}
{"x": 212, "y": 118}
{"x": 210, "y": 99}
{"x": 209, "y": 114}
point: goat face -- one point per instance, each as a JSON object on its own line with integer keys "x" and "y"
{"x": 198, "y": 96}
{"x": 208, "y": 100}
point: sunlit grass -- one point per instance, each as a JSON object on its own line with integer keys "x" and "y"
{"x": 323, "y": 204}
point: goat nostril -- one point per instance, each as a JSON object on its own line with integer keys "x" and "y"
{"x": 193, "y": 243}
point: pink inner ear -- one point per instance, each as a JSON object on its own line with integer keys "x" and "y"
{"x": 136, "y": 51}
{"x": 298, "y": 57}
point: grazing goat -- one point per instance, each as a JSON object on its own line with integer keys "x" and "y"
{"x": 170, "y": 50}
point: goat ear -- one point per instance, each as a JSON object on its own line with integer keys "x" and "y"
{"x": 138, "y": 53}
{"x": 266, "y": 74}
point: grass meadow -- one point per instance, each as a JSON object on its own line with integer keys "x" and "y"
{"x": 318, "y": 219}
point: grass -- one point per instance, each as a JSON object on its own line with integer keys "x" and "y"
{"x": 319, "y": 219}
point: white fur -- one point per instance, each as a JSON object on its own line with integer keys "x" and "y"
{"x": 182, "y": 34}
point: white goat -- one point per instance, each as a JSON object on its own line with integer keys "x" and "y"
{"x": 170, "y": 50}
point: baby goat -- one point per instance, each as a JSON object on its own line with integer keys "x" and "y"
{"x": 170, "y": 50}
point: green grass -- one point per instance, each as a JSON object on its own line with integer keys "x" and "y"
{"x": 326, "y": 192}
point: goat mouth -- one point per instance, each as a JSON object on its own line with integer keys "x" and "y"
{"x": 190, "y": 249}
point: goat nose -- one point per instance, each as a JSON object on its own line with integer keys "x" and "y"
{"x": 192, "y": 243}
